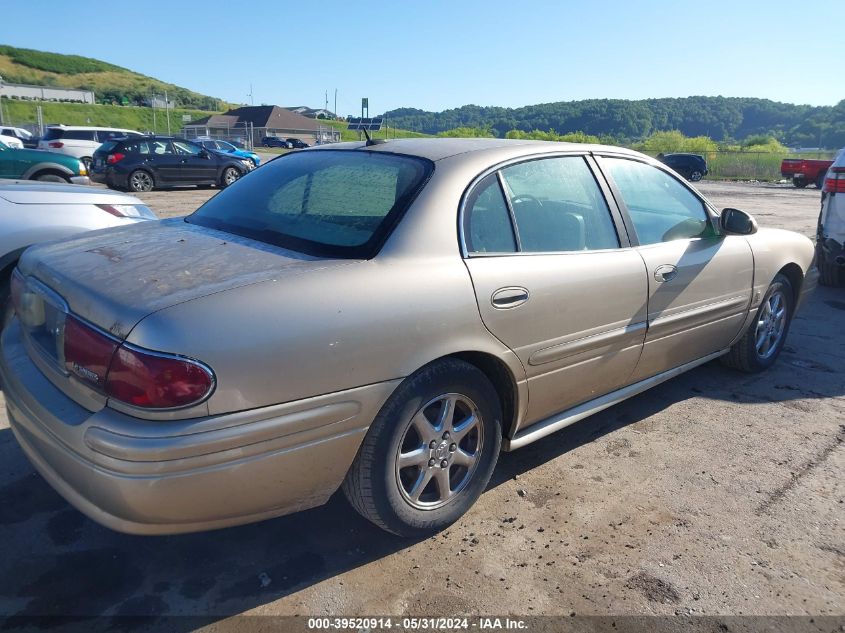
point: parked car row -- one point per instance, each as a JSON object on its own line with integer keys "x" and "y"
{"x": 147, "y": 162}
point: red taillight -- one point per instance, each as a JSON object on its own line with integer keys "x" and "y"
{"x": 137, "y": 377}
{"x": 56, "y": 144}
{"x": 16, "y": 290}
{"x": 835, "y": 181}
{"x": 115, "y": 158}
{"x": 154, "y": 381}
{"x": 88, "y": 353}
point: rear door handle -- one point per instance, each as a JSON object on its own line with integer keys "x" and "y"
{"x": 665, "y": 272}
{"x": 510, "y": 297}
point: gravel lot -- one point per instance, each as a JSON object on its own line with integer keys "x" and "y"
{"x": 714, "y": 493}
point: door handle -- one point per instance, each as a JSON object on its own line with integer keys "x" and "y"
{"x": 665, "y": 272}
{"x": 510, "y": 297}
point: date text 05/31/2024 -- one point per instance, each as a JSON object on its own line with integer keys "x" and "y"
{"x": 364, "y": 624}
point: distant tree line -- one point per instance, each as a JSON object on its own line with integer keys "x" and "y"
{"x": 724, "y": 119}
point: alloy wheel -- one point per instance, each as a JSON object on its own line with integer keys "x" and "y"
{"x": 771, "y": 325}
{"x": 141, "y": 181}
{"x": 439, "y": 451}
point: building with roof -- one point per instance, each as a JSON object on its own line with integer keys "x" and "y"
{"x": 256, "y": 122}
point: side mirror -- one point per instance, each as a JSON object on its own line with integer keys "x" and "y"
{"x": 736, "y": 222}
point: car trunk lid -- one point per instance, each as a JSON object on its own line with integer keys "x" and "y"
{"x": 114, "y": 278}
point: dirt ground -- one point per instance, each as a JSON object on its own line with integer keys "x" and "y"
{"x": 714, "y": 493}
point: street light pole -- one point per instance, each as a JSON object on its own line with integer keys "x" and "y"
{"x": 167, "y": 111}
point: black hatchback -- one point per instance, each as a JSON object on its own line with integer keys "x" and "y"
{"x": 691, "y": 166}
{"x": 142, "y": 164}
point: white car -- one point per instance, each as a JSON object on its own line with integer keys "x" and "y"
{"x": 830, "y": 238}
{"x": 32, "y": 212}
{"x": 11, "y": 141}
{"x": 80, "y": 141}
{"x": 19, "y": 133}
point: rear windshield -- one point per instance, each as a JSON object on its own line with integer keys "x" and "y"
{"x": 337, "y": 203}
{"x": 52, "y": 134}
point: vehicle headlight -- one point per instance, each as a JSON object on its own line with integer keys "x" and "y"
{"x": 247, "y": 163}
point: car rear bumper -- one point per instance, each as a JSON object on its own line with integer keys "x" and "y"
{"x": 155, "y": 477}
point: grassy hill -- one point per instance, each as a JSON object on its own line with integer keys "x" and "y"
{"x": 110, "y": 83}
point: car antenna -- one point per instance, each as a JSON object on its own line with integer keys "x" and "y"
{"x": 371, "y": 141}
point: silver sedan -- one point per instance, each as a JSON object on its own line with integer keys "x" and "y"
{"x": 381, "y": 317}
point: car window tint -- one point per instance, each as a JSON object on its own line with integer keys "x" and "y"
{"x": 661, "y": 208}
{"x": 558, "y": 206}
{"x": 186, "y": 148}
{"x": 79, "y": 135}
{"x": 107, "y": 135}
{"x": 331, "y": 202}
{"x": 133, "y": 147}
{"x": 160, "y": 148}
{"x": 225, "y": 147}
{"x": 487, "y": 223}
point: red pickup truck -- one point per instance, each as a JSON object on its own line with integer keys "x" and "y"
{"x": 803, "y": 171}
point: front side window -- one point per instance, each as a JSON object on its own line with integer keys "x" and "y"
{"x": 225, "y": 147}
{"x": 330, "y": 203}
{"x": 186, "y": 148}
{"x": 661, "y": 208}
{"x": 558, "y": 206}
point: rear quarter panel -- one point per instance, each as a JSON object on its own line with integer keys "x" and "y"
{"x": 774, "y": 250}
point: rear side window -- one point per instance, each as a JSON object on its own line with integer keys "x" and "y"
{"x": 53, "y": 134}
{"x": 558, "y": 206}
{"x": 487, "y": 222}
{"x": 332, "y": 203}
{"x": 79, "y": 135}
{"x": 661, "y": 208}
{"x": 133, "y": 147}
{"x": 109, "y": 146}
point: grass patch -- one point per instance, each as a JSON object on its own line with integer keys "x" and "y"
{"x": 127, "y": 117}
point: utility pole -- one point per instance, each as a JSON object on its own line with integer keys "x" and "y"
{"x": 167, "y": 111}
{"x": 335, "y": 103}
{"x": 251, "y": 99}
{"x": 153, "y": 104}
{"x": 2, "y": 120}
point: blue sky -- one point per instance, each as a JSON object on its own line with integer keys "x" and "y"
{"x": 437, "y": 54}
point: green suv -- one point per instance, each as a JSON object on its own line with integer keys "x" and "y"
{"x": 36, "y": 164}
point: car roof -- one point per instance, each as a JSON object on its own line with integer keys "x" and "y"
{"x": 436, "y": 149}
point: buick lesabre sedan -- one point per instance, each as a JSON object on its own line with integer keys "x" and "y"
{"x": 383, "y": 318}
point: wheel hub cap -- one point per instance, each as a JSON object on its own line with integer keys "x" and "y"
{"x": 439, "y": 451}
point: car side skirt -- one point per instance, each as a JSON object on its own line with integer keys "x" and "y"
{"x": 563, "y": 419}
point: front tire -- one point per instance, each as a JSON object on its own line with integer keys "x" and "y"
{"x": 760, "y": 346}
{"x": 430, "y": 451}
{"x": 51, "y": 177}
{"x": 695, "y": 175}
{"x": 229, "y": 176}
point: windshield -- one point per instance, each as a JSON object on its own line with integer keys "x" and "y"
{"x": 325, "y": 203}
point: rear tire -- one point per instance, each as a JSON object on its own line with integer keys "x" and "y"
{"x": 411, "y": 483}
{"x": 820, "y": 180}
{"x": 140, "y": 181}
{"x": 762, "y": 343}
{"x": 799, "y": 183}
{"x": 695, "y": 175}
